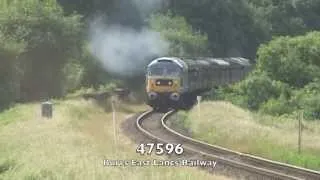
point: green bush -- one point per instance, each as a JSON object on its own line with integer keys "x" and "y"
{"x": 312, "y": 107}
{"x": 286, "y": 78}
{"x": 308, "y": 100}
{"x": 74, "y": 73}
{"x": 257, "y": 89}
{"x": 277, "y": 107}
{"x": 93, "y": 74}
{"x": 292, "y": 60}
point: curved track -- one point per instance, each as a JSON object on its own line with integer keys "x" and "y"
{"x": 154, "y": 126}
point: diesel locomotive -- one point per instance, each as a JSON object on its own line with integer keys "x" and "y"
{"x": 175, "y": 82}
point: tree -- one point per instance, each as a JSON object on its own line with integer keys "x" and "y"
{"x": 230, "y": 25}
{"x": 51, "y": 39}
{"x": 123, "y": 12}
{"x": 183, "y": 40}
{"x": 280, "y": 17}
{"x": 309, "y": 11}
{"x": 10, "y": 72}
{"x": 292, "y": 60}
{"x": 286, "y": 77}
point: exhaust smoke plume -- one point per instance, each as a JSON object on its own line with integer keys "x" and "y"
{"x": 124, "y": 51}
{"x": 147, "y": 6}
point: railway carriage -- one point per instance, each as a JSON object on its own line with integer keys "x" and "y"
{"x": 174, "y": 82}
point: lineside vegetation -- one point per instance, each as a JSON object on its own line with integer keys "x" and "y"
{"x": 274, "y": 138}
{"x": 74, "y": 144}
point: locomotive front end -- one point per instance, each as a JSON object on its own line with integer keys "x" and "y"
{"x": 164, "y": 83}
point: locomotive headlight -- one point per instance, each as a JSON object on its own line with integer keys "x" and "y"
{"x": 175, "y": 96}
{"x": 170, "y": 83}
{"x": 152, "y": 95}
{"x": 158, "y": 82}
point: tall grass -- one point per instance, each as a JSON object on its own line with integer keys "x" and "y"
{"x": 73, "y": 145}
{"x": 275, "y": 138}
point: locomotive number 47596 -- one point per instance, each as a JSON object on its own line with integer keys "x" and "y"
{"x": 160, "y": 149}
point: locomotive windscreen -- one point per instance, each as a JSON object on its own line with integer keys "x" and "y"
{"x": 164, "y": 69}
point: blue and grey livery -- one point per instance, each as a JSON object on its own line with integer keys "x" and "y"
{"x": 174, "y": 82}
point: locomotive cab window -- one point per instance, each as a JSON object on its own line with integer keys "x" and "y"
{"x": 155, "y": 71}
{"x": 164, "y": 69}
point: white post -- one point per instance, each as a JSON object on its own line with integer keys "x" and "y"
{"x": 300, "y": 134}
{"x": 114, "y": 120}
{"x": 199, "y": 100}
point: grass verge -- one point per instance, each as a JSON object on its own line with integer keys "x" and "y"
{"x": 275, "y": 138}
{"x": 73, "y": 145}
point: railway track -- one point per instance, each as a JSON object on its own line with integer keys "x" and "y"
{"x": 153, "y": 125}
